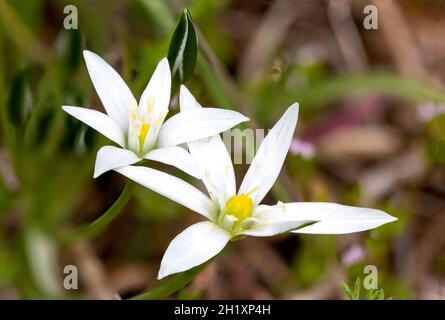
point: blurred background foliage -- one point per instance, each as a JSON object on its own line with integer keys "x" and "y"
{"x": 371, "y": 132}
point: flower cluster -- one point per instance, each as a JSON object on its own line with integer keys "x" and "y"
{"x": 142, "y": 133}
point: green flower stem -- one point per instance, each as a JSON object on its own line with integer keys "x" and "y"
{"x": 96, "y": 227}
{"x": 171, "y": 285}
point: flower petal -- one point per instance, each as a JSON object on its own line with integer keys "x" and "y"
{"x": 177, "y": 157}
{"x": 333, "y": 218}
{"x": 170, "y": 187}
{"x": 273, "y": 222}
{"x": 212, "y": 158}
{"x": 158, "y": 88}
{"x": 98, "y": 121}
{"x": 110, "y": 157}
{"x": 269, "y": 159}
{"x": 111, "y": 89}
{"x": 186, "y": 100}
{"x": 195, "y": 124}
{"x": 192, "y": 247}
{"x": 155, "y": 100}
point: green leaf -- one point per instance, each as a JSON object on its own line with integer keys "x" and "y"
{"x": 99, "y": 225}
{"x": 183, "y": 50}
{"x": 367, "y": 83}
{"x": 69, "y": 49}
{"x": 44, "y": 123}
{"x": 316, "y": 97}
{"x": 158, "y": 13}
{"x": 357, "y": 287}
{"x": 375, "y": 294}
{"x": 371, "y": 294}
{"x": 20, "y": 100}
{"x": 381, "y": 295}
{"x": 346, "y": 290}
{"x": 171, "y": 284}
{"x": 84, "y": 140}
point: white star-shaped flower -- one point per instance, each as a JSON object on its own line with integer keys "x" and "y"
{"x": 139, "y": 129}
{"x": 232, "y": 215}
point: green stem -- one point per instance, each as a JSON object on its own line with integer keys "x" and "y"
{"x": 213, "y": 83}
{"x": 97, "y": 226}
{"x": 21, "y": 35}
{"x": 171, "y": 285}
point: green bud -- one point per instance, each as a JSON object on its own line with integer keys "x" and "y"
{"x": 183, "y": 50}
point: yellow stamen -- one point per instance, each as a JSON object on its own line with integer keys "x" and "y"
{"x": 143, "y": 134}
{"x": 239, "y": 207}
{"x": 139, "y": 125}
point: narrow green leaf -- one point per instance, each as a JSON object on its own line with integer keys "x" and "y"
{"x": 44, "y": 123}
{"x": 99, "y": 225}
{"x": 371, "y": 294}
{"x": 316, "y": 97}
{"x": 84, "y": 140}
{"x": 367, "y": 83}
{"x": 159, "y": 14}
{"x": 346, "y": 290}
{"x": 77, "y": 138}
{"x": 381, "y": 295}
{"x": 171, "y": 285}
{"x": 68, "y": 49}
{"x": 357, "y": 287}
{"x": 20, "y": 100}
{"x": 183, "y": 50}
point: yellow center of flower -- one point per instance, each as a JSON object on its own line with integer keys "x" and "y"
{"x": 140, "y": 123}
{"x": 239, "y": 207}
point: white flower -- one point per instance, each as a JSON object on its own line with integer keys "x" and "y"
{"x": 232, "y": 215}
{"x": 140, "y": 130}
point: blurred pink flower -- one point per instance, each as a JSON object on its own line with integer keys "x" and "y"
{"x": 428, "y": 111}
{"x": 353, "y": 255}
{"x": 302, "y": 148}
